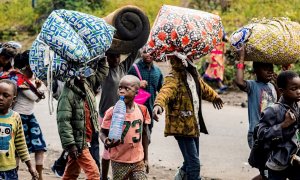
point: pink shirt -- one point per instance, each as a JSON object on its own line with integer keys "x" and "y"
{"x": 131, "y": 149}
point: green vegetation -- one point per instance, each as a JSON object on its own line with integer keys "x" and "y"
{"x": 19, "y": 19}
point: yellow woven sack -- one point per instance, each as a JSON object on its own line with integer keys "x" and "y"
{"x": 275, "y": 40}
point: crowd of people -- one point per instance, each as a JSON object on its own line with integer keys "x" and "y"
{"x": 272, "y": 110}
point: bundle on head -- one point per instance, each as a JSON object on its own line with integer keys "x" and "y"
{"x": 132, "y": 26}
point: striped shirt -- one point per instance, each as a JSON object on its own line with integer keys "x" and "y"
{"x": 12, "y": 140}
{"x": 154, "y": 78}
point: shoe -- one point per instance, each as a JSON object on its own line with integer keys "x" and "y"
{"x": 224, "y": 88}
{"x": 180, "y": 175}
{"x": 57, "y": 171}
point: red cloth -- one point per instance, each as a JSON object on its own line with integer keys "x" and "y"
{"x": 86, "y": 162}
{"x": 88, "y": 123}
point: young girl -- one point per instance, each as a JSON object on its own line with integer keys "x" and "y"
{"x": 130, "y": 156}
{"x": 24, "y": 106}
{"x": 12, "y": 139}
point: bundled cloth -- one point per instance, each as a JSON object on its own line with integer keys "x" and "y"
{"x": 21, "y": 81}
{"x": 68, "y": 44}
{"x": 132, "y": 26}
{"x": 188, "y": 32}
{"x": 275, "y": 40}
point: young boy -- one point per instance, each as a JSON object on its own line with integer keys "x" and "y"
{"x": 130, "y": 155}
{"x": 109, "y": 93}
{"x": 181, "y": 96}
{"x": 77, "y": 120}
{"x": 278, "y": 129}
{"x": 12, "y": 135}
{"x": 261, "y": 93}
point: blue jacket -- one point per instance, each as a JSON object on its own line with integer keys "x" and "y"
{"x": 282, "y": 142}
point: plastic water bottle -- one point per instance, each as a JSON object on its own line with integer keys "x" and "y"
{"x": 118, "y": 118}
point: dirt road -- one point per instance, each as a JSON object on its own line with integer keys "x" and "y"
{"x": 223, "y": 152}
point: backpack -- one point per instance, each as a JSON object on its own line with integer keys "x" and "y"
{"x": 260, "y": 152}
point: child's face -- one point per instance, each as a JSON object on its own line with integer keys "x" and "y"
{"x": 128, "y": 90}
{"x": 265, "y": 73}
{"x": 4, "y": 60}
{"x": 292, "y": 91}
{"x": 6, "y": 96}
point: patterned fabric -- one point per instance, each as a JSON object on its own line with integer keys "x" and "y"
{"x": 12, "y": 140}
{"x": 95, "y": 32}
{"x": 33, "y": 133}
{"x": 75, "y": 38}
{"x": 215, "y": 69}
{"x": 63, "y": 39}
{"x": 21, "y": 81}
{"x": 190, "y": 32}
{"x": 9, "y": 175}
{"x": 132, "y": 171}
{"x": 275, "y": 40}
{"x": 176, "y": 98}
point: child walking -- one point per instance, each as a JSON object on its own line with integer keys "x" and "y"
{"x": 12, "y": 138}
{"x": 181, "y": 96}
{"x": 261, "y": 93}
{"x": 77, "y": 121}
{"x": 279, "y": 129}
{"x": 130, "y": 155}
{"x": 24, "y": 105}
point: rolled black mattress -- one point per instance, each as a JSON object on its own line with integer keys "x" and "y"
{"x": 132, "y": 26}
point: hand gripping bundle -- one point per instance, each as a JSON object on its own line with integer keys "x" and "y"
{"x": 275, "y": 40}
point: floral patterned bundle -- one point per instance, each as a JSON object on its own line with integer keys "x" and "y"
{"x": 70, "y": 41}
{"x": 275, "y": 40}
{"x": 189, "y": 32}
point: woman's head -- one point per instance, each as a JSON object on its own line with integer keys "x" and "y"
{"x": 7, "y": 52}
{"x": 128, "y": 87}
{"x": 288, "y": 83}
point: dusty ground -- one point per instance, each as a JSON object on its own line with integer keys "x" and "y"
{"x": 157, "y": 170}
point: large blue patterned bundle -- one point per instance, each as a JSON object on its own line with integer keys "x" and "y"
{"x": 40, "y": 56}
{"x": 95, "y": 33}
{"x": 69, "y": 40}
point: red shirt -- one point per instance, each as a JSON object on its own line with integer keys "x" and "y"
{"x": 88, "y": 123}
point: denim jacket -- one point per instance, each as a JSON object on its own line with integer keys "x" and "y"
{"x": 282, "y": 142}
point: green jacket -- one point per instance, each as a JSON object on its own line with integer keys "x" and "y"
{"x": 176, "y": 98}
{"x": 70, "y": 108}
